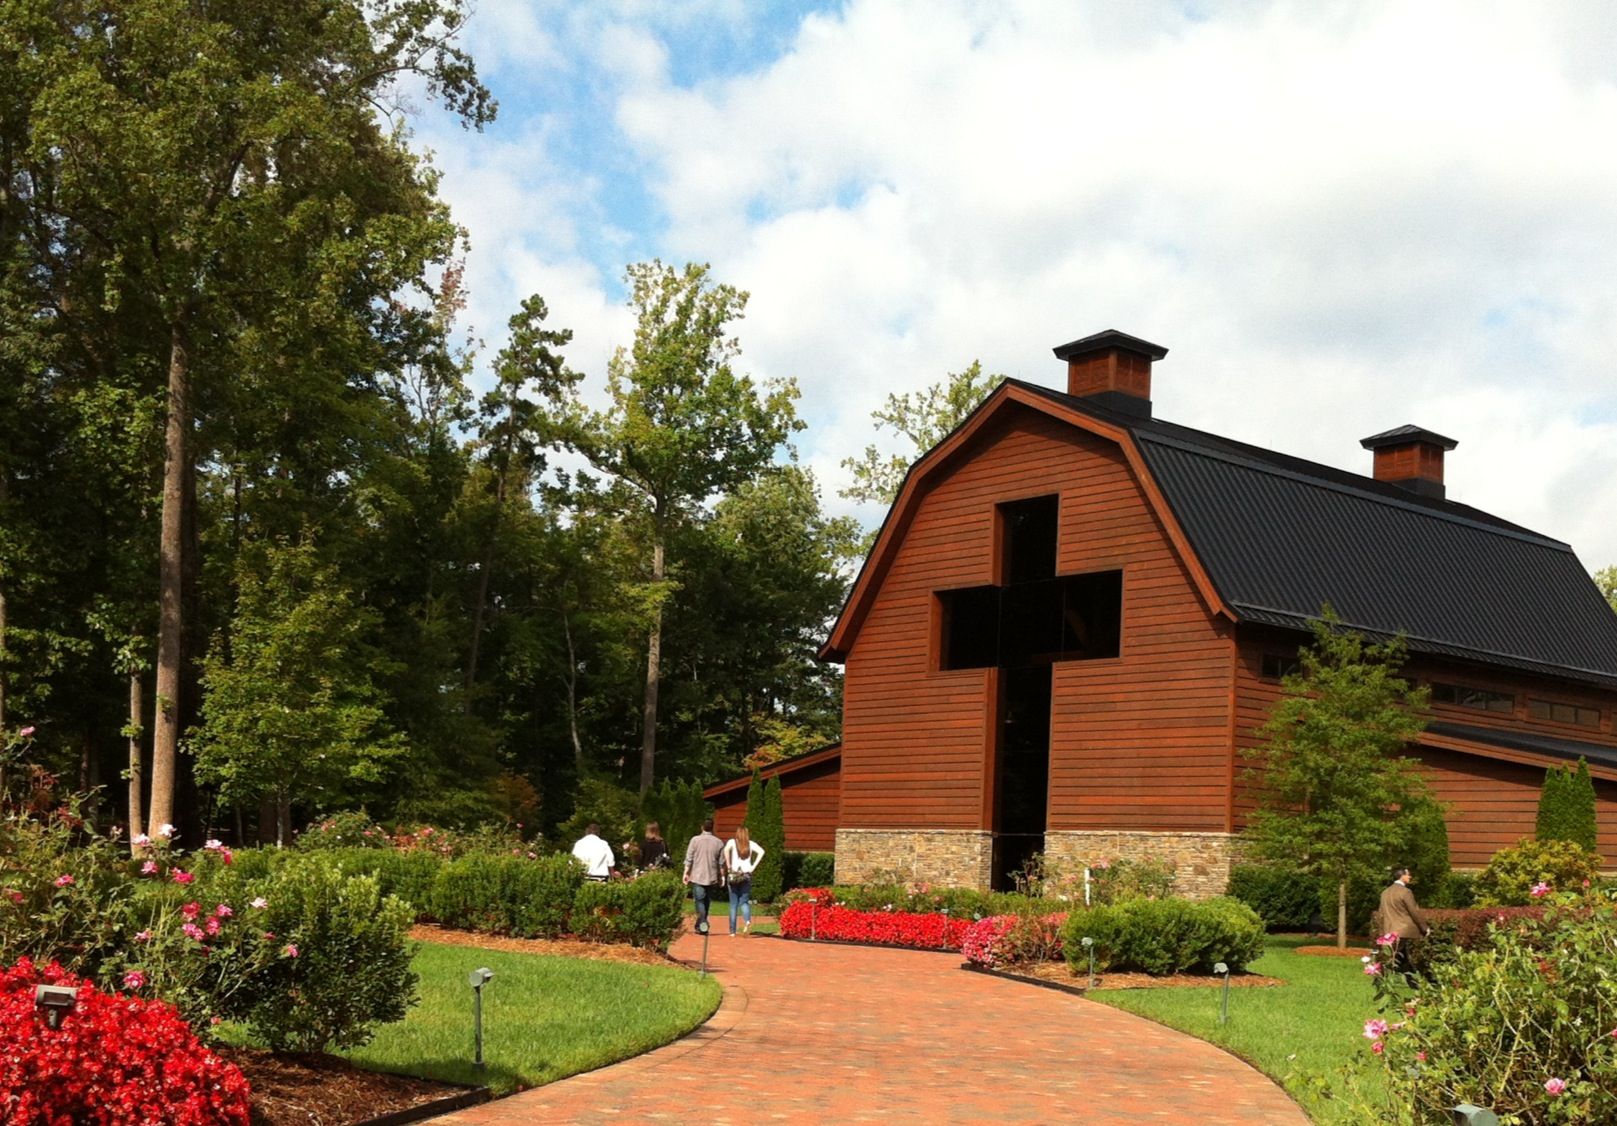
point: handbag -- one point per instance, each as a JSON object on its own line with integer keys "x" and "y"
{"x": 737, "y": 879}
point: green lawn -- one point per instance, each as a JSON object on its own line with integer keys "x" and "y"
{"x": 1313, "y": 1025}
{"x": 544, "y": 1018}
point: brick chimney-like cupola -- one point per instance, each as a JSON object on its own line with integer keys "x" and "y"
{"x": 1112, "y": 368}
{"x": 1411, "y": 458}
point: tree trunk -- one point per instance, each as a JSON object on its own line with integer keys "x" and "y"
{"x": 5, "y": 495}
{"x": 283, "y": 819}
{"x": 1341, "y": 915}
{"x": 654, "y": 654}
{"x": 484, "y": 573}
{"x": 136, "y": 812}
{"x": 572, "y": 693}
{"x": 171, "y": 572}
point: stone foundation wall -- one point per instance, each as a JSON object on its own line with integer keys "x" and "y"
{"x": 954, "y": 857}
{"x": 1201, "y": 861}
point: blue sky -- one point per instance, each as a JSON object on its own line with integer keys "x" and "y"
{"x": 1340, "y": 217}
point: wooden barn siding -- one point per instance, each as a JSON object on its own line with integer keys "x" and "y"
{"x": 809, "y": 800}
{"x": 1494, "y": 802}
{"x": 1140, "y": 742}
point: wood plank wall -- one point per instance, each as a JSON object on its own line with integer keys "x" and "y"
{"x": 1494, "y": 802}
{"x": 809, "y": 800}
{"x": 1139, "y": 742}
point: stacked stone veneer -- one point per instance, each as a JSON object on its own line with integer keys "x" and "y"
{"x": 1201, "y": 861}
{"x": 964, "y": 857}
{"x": 955, "y": 857}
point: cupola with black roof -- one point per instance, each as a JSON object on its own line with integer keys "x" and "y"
{"x": 1113, "y": 369}
{"x": 1411, "y": 457}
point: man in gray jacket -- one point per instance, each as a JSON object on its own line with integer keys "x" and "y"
{"x": 704, "y": 870}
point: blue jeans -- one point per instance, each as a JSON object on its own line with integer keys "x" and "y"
{"x": 700, "y": 893}
{"x": 741, "y": 896}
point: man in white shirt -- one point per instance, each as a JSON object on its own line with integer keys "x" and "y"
{"x": 594, "y": 853}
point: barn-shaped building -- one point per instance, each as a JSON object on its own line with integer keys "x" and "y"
{"x": 1076, "y": 615}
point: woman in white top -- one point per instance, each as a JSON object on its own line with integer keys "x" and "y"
{"x": 741, "y": 857}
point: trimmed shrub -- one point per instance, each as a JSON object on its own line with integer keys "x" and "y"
{"x": 1116, "y": 880}
{"x": 1164, "y": 936}
{"x": 1284, "y": 898}
{"x": 1464, "y": 929}
{"x": 115, "y": 1060}
{"x": 257, "y": 863}
{"x": 810, "y": 869}
{"x": 1513, "y": 872}
{"x": 507, "y": 894}
{"x": 1458, "y": 889}
{"x": 343, "y": 964}
{"x": 408, "y": 875}
{"x": 770, "y": 831}
{"x": 646, "y": 911}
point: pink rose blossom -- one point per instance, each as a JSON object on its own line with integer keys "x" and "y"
{"x": 1421, "y": 1056}
{"x": 25, "y": 732}
{"x": 16, "y": 897}
{"x": 259, "y": 902}
{"x": 64, "y": 880}
{"x": 290, "y": 950}
{"x": 213, "y": 845}
{"x": 134, "y": 979}
{"x": 191, "y": 930}
{"x": 149, "y": 868}
{"x": 1540, "y": 890}
{"x": 1388, "y": 939}
{"x": 1378, "y": 1047}
{"x": 216, "y": 1020}
{"x": 227, "y": 856}
{"x": 223, "y": 911}
{"x": 182, "y": 877}
{"x": 1555, "y": 1086}
{"x": 191, "y": 910}
{"x": 1375, "y": 1029}
{"x": 143, "y": 936}
{"x": 213, "y": 927}
{"x": 165, "y": 831}
{"x": 1373, "y": 969}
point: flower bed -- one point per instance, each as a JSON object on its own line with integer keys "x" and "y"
{"x": 1010, "y": 939}
{"x": 808, "y": 917}
{"x": 114, "y": 1060}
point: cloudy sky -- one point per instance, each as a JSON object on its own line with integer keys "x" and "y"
{"x": 1338, "y": 217}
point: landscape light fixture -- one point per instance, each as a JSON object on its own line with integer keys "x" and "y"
{"x": 477, "y": 979}
{"x": 702, "y": 929}
{"x": 55, "y": 1001}
{"x": 1224, "y": 1002}
{"x": 1089, "y": 945}
{"x": 1467, "y": 1115}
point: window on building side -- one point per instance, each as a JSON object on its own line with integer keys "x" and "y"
{"x": 1277, "y": 666}
{"x": 969, "y": 630}
{"x": 1462, "y": 696}
{"x": 1557, "y": 712}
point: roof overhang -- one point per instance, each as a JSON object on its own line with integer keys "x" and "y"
{"x": 926, "y": 471}
{"x": 776, "y": 769}
{"x": 1520, "y": 747}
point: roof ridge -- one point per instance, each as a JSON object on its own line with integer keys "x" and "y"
{"x": 1139, "y": 429}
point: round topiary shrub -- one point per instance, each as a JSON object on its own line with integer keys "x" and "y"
{"x": 115, "y": 1061}
{"x": 1514, "y": 873}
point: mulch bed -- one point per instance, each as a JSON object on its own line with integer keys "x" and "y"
{"x": 1333, "y": 952}
{"x": 1057, "y": 973}
{"x": 315, "y": 1090}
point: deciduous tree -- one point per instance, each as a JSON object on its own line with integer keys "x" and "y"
{"x": 921, "y": 420}
{"x": 1331, "y": 774}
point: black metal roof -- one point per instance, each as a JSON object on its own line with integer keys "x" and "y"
{"x": 1405, "y": 435}
{"x": 1281, "y": 536}
{"x": 1571, "y": 750}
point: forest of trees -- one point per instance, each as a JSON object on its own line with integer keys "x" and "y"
{"x": 265, "y": 552}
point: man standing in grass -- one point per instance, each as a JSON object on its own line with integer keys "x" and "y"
{"x": 704, "y": 870}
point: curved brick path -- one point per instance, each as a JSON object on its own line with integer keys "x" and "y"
{"x": 820, "y": 1033}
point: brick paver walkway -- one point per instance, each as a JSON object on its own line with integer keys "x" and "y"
{"x": 833, "y": 1034}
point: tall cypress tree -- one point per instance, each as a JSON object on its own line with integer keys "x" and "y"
{"x": 1578, "y": 793}
{"x": 1552, "y": 822}
{"x": 769, "y": 830}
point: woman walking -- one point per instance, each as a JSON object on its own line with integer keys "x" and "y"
{"x": 741, "y": 858}
{"x": 653, "y": 850}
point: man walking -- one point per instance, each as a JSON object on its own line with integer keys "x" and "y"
{"x": 1402, "y": 916}
{"x": 594, "y": 853}
{"x": 704, "y": 870}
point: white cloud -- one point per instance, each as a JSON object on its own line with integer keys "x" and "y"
{"x": 1340, "y": 217}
